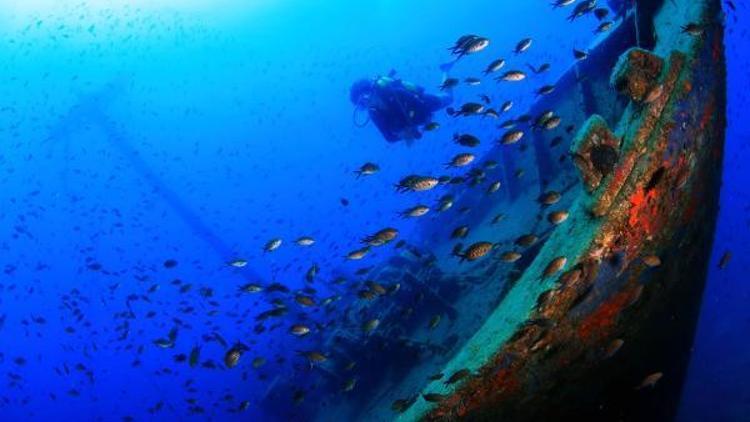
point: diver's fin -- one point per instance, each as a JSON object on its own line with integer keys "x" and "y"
{"x": 447, "y": 67}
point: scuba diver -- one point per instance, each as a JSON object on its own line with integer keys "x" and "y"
{"x": 398, "y": 108}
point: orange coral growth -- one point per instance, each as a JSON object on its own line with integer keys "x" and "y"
{"x": 642, "y": 216}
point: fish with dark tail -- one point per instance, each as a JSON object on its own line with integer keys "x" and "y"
{"x": 464, "y": 46}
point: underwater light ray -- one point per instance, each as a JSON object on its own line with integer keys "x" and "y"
{"x": 89, "y": 110}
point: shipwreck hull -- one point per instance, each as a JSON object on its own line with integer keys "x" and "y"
{"x": 579, "y": 343}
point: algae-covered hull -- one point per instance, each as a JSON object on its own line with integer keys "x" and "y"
{"x": 608, "y": 337}
{"x": 595, "y": 320}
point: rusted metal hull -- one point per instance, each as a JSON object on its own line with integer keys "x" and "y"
{"x": 614, "y": 316}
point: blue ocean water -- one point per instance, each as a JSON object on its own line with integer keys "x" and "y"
{"x": 716, "y": 387}
{"x": 151, "y": 149}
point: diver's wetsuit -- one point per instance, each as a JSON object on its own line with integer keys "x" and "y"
{"x": 396, "y": 107}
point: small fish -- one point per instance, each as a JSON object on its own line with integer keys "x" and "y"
{"x": 562, "y": 3}
{"x": 314, "y": 357}
{"x": 506, "y": 106}
{"x": 434, "y": 321}
{"x": 445, "y": 203}
{"x": 237, "y": 263}
{"x": 304, "y": 300}
{"x": 601, "y": 13}
{"x": 545, "y": 90}
{"x": 651, "y": 261}
{"x": 498, "y": 218}
{"x": 494, "y": 187}
{"x": 376, "y": 287}
{"x": 650, "y": 381}
{"x": 526, "y": 240}
{"x": 510, "y": 257}
{"x": 169, "y": 341}
{"x": 473, "y": 81}
{"x": 544, "y": 116}
{"x": 582, "y": 9}
{"x": 550, "y": 198}
{"x": 467, "y": 109}
{"x": 460, "y": 232}
{"x": 494, "y": 66}
{"x": 349, "y": 385}
{"x": 233, "y": 355}
{"x": 358, "y": 254}
{"x": 580, "y": 55}
{"x": 381, "y": 237}
{"x": 693, "y": 29}
{"x": 435, "y": 377}
{"x": 508, "y": 124}
{"x": 305, "y": 241}
{"x": 416, "y": 211}
{"x": 466, "y": 140}
{"x": 429, "y": 127}
{"x": 511, "y": 137}
{"x": 490, "y": 112}
{"x": 414, "y": 183}
{"x": 476, "y": 251}
{"x": 461, "y": 160}
{"x": 311, "y": 273}
{"x": 164, "y": 343}
{"x": 195, "y": 354}
{"x": 371, "y": 325}
{"x": 557, "y": 217}
{"x": 604, "y": 27}
{"x": 551, "y": 123}
{"x": 523, "y": 45}
{"x": 367, "y": 169}
{"x": 272, "y": 245}
{"x": 299, "y": 330}
{"x": 469, "y": 44}
{"x": 512, "y": 76}
{"x": 555, "y": 266}
{"x": 251, "y": 288}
